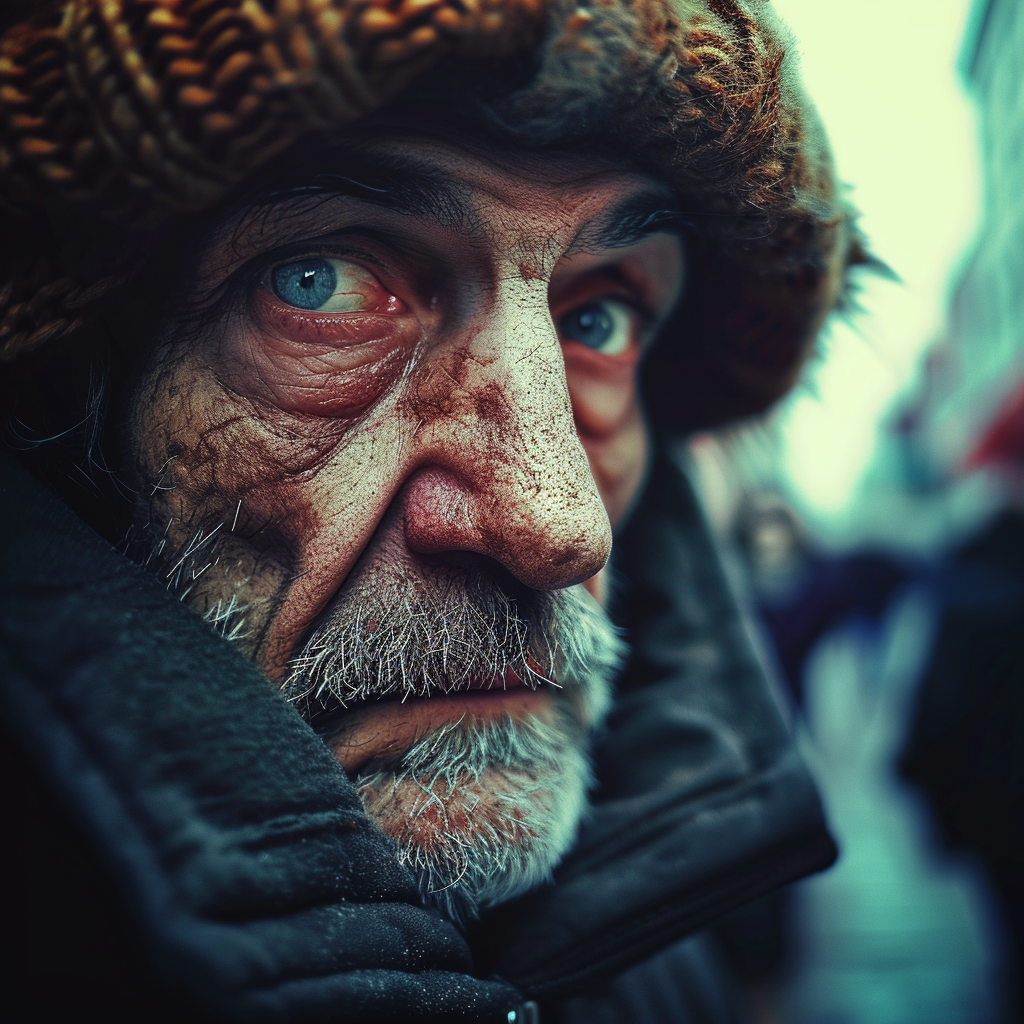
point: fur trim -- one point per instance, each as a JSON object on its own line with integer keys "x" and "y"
{"x": 116, "y": 115}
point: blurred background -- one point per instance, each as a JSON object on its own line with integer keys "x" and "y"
{"x": 875, "y": 525}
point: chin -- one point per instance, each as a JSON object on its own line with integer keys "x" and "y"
{"x": 482, "y": 811}
{"x": 471, "y": 760}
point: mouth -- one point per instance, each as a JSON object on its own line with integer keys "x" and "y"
{"x": 323, "y": 710}
{"x": 377, "y": 729}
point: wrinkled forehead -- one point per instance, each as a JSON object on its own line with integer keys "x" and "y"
{"x": 456, "y": 149}
{"x": 440, "y": 172}
{"x": 487, "y": 191}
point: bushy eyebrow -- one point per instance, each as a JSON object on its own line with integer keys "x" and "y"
{"x": 409, "y": 186}
{"x": 629, "y": 221}
{"x": 404, "y": 186}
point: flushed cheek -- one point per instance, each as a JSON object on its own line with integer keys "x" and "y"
{"x": 289, "y": 500}
{"x": 331, "y": 514}
{"x": 317, "y": 364}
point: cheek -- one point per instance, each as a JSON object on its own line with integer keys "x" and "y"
{"x": 314, "y": 363}
{"x": 608, "y": 420}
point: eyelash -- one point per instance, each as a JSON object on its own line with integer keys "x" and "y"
{"x": 253, "y": 273}
{"x": 621, "y": 291}
{"x": 256, "y": 272}
{"x": 240, "y": 286}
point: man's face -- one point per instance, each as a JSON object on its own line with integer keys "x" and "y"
{"x": 381, "y": 443}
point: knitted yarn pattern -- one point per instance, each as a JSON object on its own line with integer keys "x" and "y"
{"x": 118, "y": 115}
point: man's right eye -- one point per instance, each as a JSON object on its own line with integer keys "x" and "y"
{"x": 327, "y": 286}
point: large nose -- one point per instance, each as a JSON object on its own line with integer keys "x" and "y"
{"x": 502, "y": 472}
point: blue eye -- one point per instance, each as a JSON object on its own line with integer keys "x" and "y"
{"x": 307, "y": 284}
{"x": 605, "y": 326}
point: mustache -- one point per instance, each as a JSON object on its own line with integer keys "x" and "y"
{"x": 405, "y": 637}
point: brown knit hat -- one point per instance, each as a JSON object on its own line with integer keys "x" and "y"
{"x": 118, "y": 115}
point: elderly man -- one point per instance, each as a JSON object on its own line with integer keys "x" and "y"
{"x": 361, "y": 328}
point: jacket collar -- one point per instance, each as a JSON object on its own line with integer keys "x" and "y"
{"x": 238, "y": 845}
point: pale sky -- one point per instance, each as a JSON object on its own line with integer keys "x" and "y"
{"x": 883, "y": 75}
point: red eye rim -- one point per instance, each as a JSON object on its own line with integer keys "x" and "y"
{"x": 386, "y": 302}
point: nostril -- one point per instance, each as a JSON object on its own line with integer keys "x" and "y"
{"x": 568, "y": 555}
{"x": 441, "y": 569}
{"x": 542, "y": 543}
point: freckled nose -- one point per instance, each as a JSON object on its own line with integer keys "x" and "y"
{"x": 504, "y": 473}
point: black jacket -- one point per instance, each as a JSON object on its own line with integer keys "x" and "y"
{"x": 181, "y": 845}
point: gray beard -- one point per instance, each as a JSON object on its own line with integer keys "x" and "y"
{"x": 390, "y": 635}
{"x": 482, "y": 815}
{"x": 481, "y": 812}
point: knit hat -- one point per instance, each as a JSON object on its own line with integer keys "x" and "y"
{"x": 117, "y": 116}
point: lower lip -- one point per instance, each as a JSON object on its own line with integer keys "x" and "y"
{"x": 384, "y": 730}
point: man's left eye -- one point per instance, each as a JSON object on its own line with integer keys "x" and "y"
{"x": 605, "y": 326}
{"x": 326, "y": 285}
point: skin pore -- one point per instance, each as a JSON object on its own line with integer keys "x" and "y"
{"x": 411, "y": 391}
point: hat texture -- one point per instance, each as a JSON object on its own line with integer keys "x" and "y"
{"x": 116, "y": 116}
